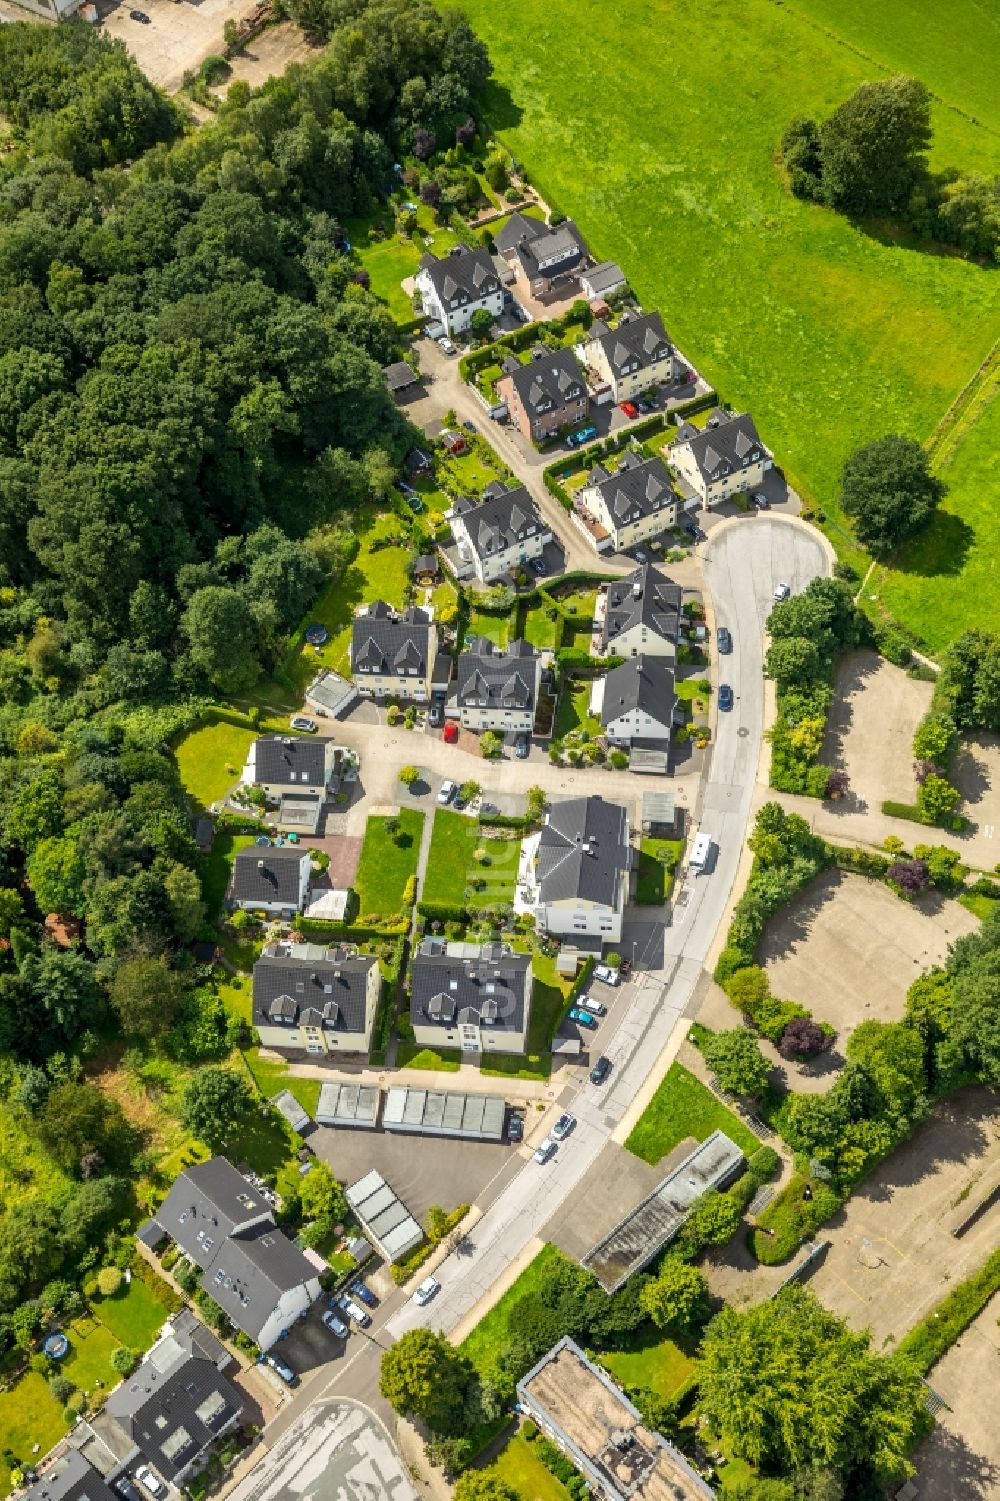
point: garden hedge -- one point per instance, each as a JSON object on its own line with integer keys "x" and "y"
{"x": 935, "y": 1334}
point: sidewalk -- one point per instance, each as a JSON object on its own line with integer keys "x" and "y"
{"x": 465, "y": 1079}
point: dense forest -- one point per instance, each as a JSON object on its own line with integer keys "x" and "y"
{"x": 191, "y": 408}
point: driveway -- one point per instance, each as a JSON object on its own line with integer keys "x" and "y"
{"x": 743, "y": 562}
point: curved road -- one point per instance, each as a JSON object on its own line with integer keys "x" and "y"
{"x": 744, "y": 561}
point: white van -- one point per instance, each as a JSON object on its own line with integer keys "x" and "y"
{"x": 701, "y": 852}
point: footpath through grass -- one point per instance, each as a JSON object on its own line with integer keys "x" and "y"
{"x": 683, "y": 1107}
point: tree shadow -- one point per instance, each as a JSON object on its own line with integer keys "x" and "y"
{"x": 899, "y": 236}
{"x": 793, "y": 924}
{"x": 948, "y": 1467}
{"x": 959, "y": 1131}
{"x": 971, "y": 775}
{"x": 940, "y": 551}
{"x": 499, "y": 107}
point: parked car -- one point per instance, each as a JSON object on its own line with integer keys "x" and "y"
{"x": 782, "y": 592}
{"x": 641, "y": 556}
{"x": 522, "y": 745}
{"x": 646, "y": 405}
{"x": 607, "y": 973}
{"x": 545, "y": 1150}
{"x": 450, "y": 734}
{"x": 582, "y": 1018}
{"x": 283, "y": 1369}
{"x": 563, "y": 1126}
{"x": 356, "y": 1313}
{"x": 470, "y": 427}
{"x": 724, "y": 641}
{"x": 600, "y": 1070}
{"x": 448, "y": 790}
{"x": 593, "y": 1005}
{"x": 304, "y": 723}
{"x": 761, "y": 501}
{"x": 539, "y": 567}
{"x": 630, "y": 409}
{"x": 725, "y": 697}
{"x": 152, "y": 1483}
{"x": 435, "y": 716}
{"x": 458, "y": 802}
{"x": 426, "y": 1291}
{"x": 126, "y": 1489}
{"x": 336, "y": 1326}
{"x": 515, "y": 1128}
{"x": 583, "y": 436}
{"x": 447, "y": 347}
{"x": 363, "y": 1291}
{"x": 139, "y": 15}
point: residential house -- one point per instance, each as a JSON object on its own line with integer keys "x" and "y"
{"x": 180, "y": 1399}
{"x": 280, "y": 764}
{"x": 544, "y": 258}
{"x": 632, "y": 503}
{"x": 393, "y": 652}
{"x": 315, "y": 999}
{"x": 270, "y": 878}
{"x": 722, "y": 458}
{"x": 602, "y": 280}
{"x": 476, "y": 997}
{"x": 636, "y": 702}
{"x": 499, "y": 533}
{"x": 222, "y": 1222}
{"x": 574, "y": 873}
{"x": 642, "y": 613}
{"x": 458, "y": 285}
{"x": 70, "y": 1478}
{"x": 498, "y": 686}
{"x": 634, "y": 356}
{"x": 546, "y": 394}
{"x": 580, "y": 1409}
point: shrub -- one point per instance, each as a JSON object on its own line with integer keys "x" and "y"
{"x": 125, "y": 1360}
{"x": 764, "y": 1163}
{"x": 937, "y": 799}
{"x": 731, "y": 962}
{"x": 803, "y": 1038}
{"x": 928, "y": 1340}
{"x": 909, "y": 877}
{"x": 62, "y": 1388}
{"x": 109, "y": 1280}
{"x": 408, "y": 775}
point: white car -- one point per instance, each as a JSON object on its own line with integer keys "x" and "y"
{"x": 304, "y": 723}
{"x": 336, "y": 1326}
{"x": 545, "y": 1149}
{"x": 607, "y": 974}
{"x": 448, "y": 790}
{"x": 563, "y": 1126}
{"x": 447, "y": 347}
{"x": 426, "y": 1291}
{"x": 145, "y": 1477}
{"x": 782, "y": 592}
{"x": 593, "y": 1005}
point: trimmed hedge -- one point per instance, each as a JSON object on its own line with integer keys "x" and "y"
{"x": 442, "y": 912}
{"x": 955, "y": 822}
{"x": 504, "y": 821}
{"x": 935, "y": 1334}
{"x": 696, "y": 404}
{"x": 859, "y": 862}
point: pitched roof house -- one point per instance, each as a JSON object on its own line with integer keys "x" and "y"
{"x": 542, "y": 255}
{"x": 249, "y": 1267}
{"x": 546, "y": 394}
{"x": 574, "y": 873}
{"x": 632, "y": 503}
{"x": 478, "y": 996}
{"x": 71, "y": 1478}
{"x": 272, "y": 878}
{"x": 393, "y": 651}
{"x": 636, "y": 701}
{"x": 602, "y": 280}
{"x": 458, "y": 285}
{"x": 286, "y": 763}
{"x": 499, "y": 532}
{"x": 498, "y": 686}
{"x": 642, "y": 614}
{"x": 634, "y": 356}
{"x": 724, "y": 457}
{"x": 320, "y": 1000}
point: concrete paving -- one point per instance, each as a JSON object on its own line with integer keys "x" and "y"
{"x": 335, "y": 1451}
{"x": 869, "y": 730}
{"x": 178, "y": 37}
{"x": 960, "y": 1461}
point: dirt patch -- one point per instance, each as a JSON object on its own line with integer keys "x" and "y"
{"x": 140, "y": 1110}
{"x": 849, "y": 949}
{"x": 960, "y": 1461}
{"x": 892, "y": 1253}
{"x": 869, "y": 732}
{"x": 268, "y": 55}
{"x": 179, "y": 36}
{"x": 975, "y": 771}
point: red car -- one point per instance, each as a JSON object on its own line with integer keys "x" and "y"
{"x": 450, "y": 733}
{"x": 630, "y": 409}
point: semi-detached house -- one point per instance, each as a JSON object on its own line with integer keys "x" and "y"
{"x": 632, "y": 503}
{"x": 724, "y": 457}
{"x": 312, "y": 999}
{"x": 458, "y": 285}
{"x": 499, "y": 533}
{"x": 393, "y": 652}
{"x": 634, "y": 356}
{"x": 475, "y": 996}
{"x": 498, "y": 686}
{"x": 545, "y": 394}
{"x": 543, "y": 257}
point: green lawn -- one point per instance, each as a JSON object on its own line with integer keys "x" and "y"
{"x": 437, "y": 1060}
{"x": 211, "y": 757}
{"x": 682, "y": 1107}
{"x": 525, "y": 1474}
{"x": 536, "y": 627}
{"x": 390, "y": 260}
{"x": 948, "y": 579}
{"x": 236, "y": 994}
{"x": 469, "y": 473}
{"x": 654, "y": 1361}
{"x": 490, "y": 1335}
{"x": 91, "y": 1346}
{"x": 216, "y": 868}
{"x": 29, "y": 1415}
{"x": 385, "y": 865}
{"x": 451, "y": 867}
{"x": 495, "y": 628}
{"x": 272, "y": 1076}
{"x": 829, "y": 333}
{"x": 658, "y": 859}
{"x": 573, "y": 711}
{"x": 134, "y": 1316}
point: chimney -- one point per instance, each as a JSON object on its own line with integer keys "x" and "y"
{"x": 260, "y": 865}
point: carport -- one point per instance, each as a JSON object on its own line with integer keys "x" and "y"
{"x": 429, "y": 1112}
{"x": 348, "y": 1105}
{"x": 649, "y": 760}
{"x": 297, "y": 1118}
{"x": 383, "y": 1216}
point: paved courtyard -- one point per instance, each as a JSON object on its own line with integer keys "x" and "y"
{"x": 336, "y": 1451}
{"x": 179, "y": 36}
{"x": 960, "y": 1461}
{"x": 269, "y": 55}
{"x": 869, "y": 731}
{"x": 849, "y": 949}
{"x": 976, "y": 773}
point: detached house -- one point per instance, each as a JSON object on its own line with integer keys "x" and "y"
{"x": 221, "y": 1222}
{"x": 574, "y": 874}
{"x": 636, "y": 702}
{"x": 634, "y": 502}
{"x": 313, "y": 999}
{"x": 634, "y": 356}
{"x": 477, "y": 997}
{"x": 498, "y": 686}
{"x": 393, "y": 652}
{"x": 642, "y": 614}
{"x": 543, "y": 257}
{"x": 546, "y": 394}
{"x": 498, "y": 533}
{"x": 723, "y": 457}
{"x": 295, "y": 773}
{"x": 458, "y": 285}
{"x": 270, "y": 878}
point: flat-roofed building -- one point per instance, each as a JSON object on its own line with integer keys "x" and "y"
{"x": 383, "y": 1216}
{"x": 438, "y": 1112}
{"x": 348, "y": 1105}
{"x": 579, "y": 1407}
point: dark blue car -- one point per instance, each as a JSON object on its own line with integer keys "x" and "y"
{"x": 725, "y": 697}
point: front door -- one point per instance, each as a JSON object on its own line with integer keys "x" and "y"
{"x": 470, "y": 1038}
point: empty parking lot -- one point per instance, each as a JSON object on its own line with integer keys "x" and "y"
{"x": 179, "y": 36}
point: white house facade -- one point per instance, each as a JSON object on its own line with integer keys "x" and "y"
{"x": 723, "y": 458}
{"x": 497, "y": 687}
{"x": 498, "y": 534}
{"x": 632, "y": 503}
{"x": 458, "y": 285}
{"x": 634, "y": 356}
{"x": 574, "y": 874}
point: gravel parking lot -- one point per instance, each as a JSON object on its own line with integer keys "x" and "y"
{"x": 960, "y": 1461}
{"x": 869, "y": 731}
{"x": 179, "y": 36}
